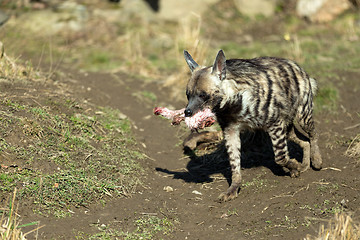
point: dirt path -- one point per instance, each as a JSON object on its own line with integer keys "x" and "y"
{"x": 269, "y": 206}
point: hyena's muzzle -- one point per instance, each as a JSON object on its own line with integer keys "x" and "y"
{"x": 195, "y": 104}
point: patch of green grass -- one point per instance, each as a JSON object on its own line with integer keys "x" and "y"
{"x": 13, "y": 106}
{"x": 3, "y": 144}
{"x": 114, "y": 120}
{"x": 284, "y": 223}
{"x": 147, "y": 227}
{"x": 327, "y": 188}
{"x": 145, "y": 96}
{"x": 84, "y": 157}
{"x": 327, "y": 99}
{"x": 232, "y": 212}
{"x": 166, "y": 65}
{"x": 39, "y": 111}
{"x": 7, "y": 182}
{"x": 258, "y": 183}
{"x": 326, "y": 207}
{"x": 104, "y": 235}
{"x": 149, "y": 95}
{"x": 98, "y": 59}
{"x": 67, "y": 188}
{"x": 254, "y": 49}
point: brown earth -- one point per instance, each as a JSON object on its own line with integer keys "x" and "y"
{"x": 270, "y": 205}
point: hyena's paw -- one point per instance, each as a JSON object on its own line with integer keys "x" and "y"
{"x": 305, "y": 165}
{"x": 230, "y": 194}
{"x": 316, "y": 161}
{"x": 294, "y": 173}
{"x": 294, "y": 166}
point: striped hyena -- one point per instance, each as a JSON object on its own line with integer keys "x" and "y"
{"x": 262, "y": 93}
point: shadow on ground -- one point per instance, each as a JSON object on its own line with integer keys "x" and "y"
{"x": 256, "y": 151}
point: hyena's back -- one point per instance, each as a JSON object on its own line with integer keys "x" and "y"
{"x": 270, "y": 90}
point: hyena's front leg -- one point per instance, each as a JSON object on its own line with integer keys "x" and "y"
{"x": 233, "y": 146}
{"x": 277, "y": 135}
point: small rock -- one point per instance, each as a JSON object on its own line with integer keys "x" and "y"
{"x": 122, "y": 116}
{"x": 168, "y": 189}
{"x": 321, "y": 10}
{"x": 99, "y": 113}
{"x": 196, "y": 192}
{"x": 256, "y": 7}
{"x": 224, "y": 216}
{"x": 67, "y": 16}
{"x": 175, "y": 10}
{"x": 102, "y": 227}
{"x": 344, "y": 203}
{"x": 147, "y": 117}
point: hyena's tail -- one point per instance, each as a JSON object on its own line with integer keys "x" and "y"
{"x": 314, "y": 86}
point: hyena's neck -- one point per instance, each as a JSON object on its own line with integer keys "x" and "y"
{"x": 237, "y": 108}
{"x": 229, "y": 91}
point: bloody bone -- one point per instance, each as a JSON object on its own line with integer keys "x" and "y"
{"x": 199, "y": 120}
{"x": 176, "y": 116}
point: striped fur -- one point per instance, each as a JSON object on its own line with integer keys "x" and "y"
{"x": 265, "y": 93}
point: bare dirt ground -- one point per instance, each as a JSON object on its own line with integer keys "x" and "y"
{"x": 182, "y": 187}
{"x": 270, "y": 205}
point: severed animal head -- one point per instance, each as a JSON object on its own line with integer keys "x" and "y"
{"x": 204, "y": 87}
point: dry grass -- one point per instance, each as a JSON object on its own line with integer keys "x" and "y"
{"x": 354, "y": 147}
{"x": 188, "y": 38}
{"x": 9, "y": 225}
{"x": 295, "y": 51}
{"x": 341, "y": 227}
{"x": 11, "y": 71}
{"x": 137, "y": 61}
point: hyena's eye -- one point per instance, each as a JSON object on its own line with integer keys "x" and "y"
{"x": 204, "y": 96}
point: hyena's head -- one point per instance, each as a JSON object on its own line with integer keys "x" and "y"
{"x": 203, "y": 88}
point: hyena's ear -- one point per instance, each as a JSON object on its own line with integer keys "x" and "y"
{"x": 219, "y": 67}
{"x": 190, "y": 61}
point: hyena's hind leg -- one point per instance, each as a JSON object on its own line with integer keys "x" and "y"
{"x": 278, "y": 136}
{"x": 306, "y": 122}
{"x": 305, "y": 145}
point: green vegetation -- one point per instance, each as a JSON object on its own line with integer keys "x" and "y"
{"x": 259, "y": 183}
{"x": 327, "y": 99}
{"x": 145, "y": 96}
{"x": 69, "y": 158}
{"x": 147, "y": 227}
{"x": 326, "y": 207}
